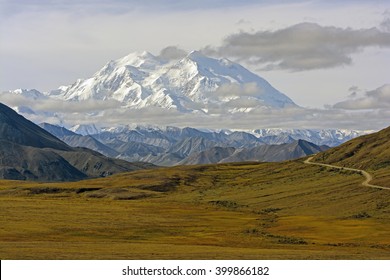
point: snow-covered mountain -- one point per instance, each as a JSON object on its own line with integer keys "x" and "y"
{"x": 194, "y": 83}
{"x": 329, "y": 137}
{"x": 30, "y": 94}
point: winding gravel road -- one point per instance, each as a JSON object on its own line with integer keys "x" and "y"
{"x": 367, "y": 175}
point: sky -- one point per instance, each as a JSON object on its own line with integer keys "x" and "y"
{"x": 330, "y": 57}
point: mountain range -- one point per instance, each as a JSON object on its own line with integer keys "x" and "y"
{"x": 29, "y": 152}
{"x": 175, "y": 146}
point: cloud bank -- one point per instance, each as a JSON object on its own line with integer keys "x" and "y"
{"x": 123, "y": 6}
{"x": 371, "y": 112}
{"x": 304, "y": 46}
{"x": 374, "y": 99}
{"x": 172, "y": 53}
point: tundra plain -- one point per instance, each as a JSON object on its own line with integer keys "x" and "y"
{"x": 287, "y": 210}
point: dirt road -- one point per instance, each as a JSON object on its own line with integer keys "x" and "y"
{"x": 367, "y": 175}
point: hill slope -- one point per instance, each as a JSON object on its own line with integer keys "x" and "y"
{"x": 16, "y": 129}
{"x": 365, "y": 152}
{"x": 28, "y": 152}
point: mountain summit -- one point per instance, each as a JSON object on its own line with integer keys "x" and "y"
{"x": 194, "y": 83}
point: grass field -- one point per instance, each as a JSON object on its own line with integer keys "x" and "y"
{"x": 232, "y": 211}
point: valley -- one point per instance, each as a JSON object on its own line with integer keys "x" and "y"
{"x": 225, "y": 211}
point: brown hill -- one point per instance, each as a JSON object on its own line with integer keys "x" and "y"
{"x": 365, "y": 152}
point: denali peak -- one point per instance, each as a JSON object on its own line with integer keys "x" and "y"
{"x": 194, "y": 83}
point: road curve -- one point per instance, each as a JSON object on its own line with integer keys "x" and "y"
{"x": 367, "y": 175}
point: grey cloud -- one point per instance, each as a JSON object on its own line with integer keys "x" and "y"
{"x": 385, "y": 25}
{"x": 13, "y": 100}
{"x": 375, "y": 99}
{"x": 116, "y": 6}
{"x": 111, "y": 113}
{"x": 258, "y": 118}
{"x": 217, "y": 118}
{"x": 84, "y": 106}
{"x": 172, "y": 53}
{"x": 236, "y": 90}
{"x": 304, "y": 46}
{"x": 352, "y": 94}
{"x": 353, "y": 89}
{"x": 382, "y": 93}
{"x": 59, "y": 106}
{"x": 245, "y": 102}
{"x": 243, "y": 22}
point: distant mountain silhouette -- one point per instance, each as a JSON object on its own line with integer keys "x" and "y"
{"x": 28, "y": 152}
{"x": 264, "y": 153}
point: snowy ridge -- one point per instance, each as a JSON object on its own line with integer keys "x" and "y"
{"x": 84, "y": 129}
{"x": 31, "y": 94}
{"x": 329, "y": 137}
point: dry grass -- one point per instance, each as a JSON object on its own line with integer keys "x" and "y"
{"x": 232, "y": 211}
{"x": 371, "y": 152}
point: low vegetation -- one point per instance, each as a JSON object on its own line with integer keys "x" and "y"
{"x": 369, "y": 152}
{"x": 284, "y": 210}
